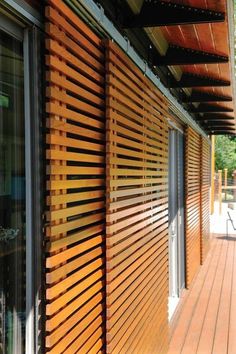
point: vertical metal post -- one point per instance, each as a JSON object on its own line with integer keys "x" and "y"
{"x": 220, "y": 191}
{"x": 29, "y": 343}
{"x": 212, "y": 173}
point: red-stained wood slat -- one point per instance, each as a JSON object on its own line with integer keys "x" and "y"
{"x": 193, "y": 203}
{"x": 205, "y": 197}
{"x": 75, "y": 231}
{"x": 137, "y": 209}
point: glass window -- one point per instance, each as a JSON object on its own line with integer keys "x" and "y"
{"x": 12, "y": 196}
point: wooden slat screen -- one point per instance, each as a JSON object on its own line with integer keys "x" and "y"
{"x": 205, "y": 197}
{"x": 193, "y": 199}
{"x": 75, "y": 233}
{"x": 137, "y": 210}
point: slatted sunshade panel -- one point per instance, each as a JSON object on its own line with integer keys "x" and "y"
{"x": 75, "y": 233}
{"x": 205, "y": 197}
{"x": 193, "y": 200}
{"x": 137, "y": 210}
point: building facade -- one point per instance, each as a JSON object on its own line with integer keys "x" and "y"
{"x": 106, "y": 112}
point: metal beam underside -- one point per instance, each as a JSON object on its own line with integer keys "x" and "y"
{"x": 215, "y": 116}
{"x": 198, "y": 96}
{"x": 226, "y": 129}
{"x": 101, "y": 20}
{"x": 220, "y": 123}
{"x": 221, "y": 132}
{"x": 177, "y": 55}
{"x": 210, "y": 108}
{"x": 192, "y": 80}
{"x": 161, "y": 13}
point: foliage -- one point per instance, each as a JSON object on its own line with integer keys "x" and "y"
{"x": 232, "y": 137}
{"x": 225, "y": 153}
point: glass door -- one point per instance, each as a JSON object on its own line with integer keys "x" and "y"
{"x": 176, "y": 219}
{"x": 12, "y": 196}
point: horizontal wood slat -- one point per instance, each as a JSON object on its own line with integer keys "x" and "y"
{"x": 75, "y": 232}
{"x": 205, "y": 197}
{"x": 192, "y": 203}
{"x": 137, "y": 209}
{"x": 108, "y": 262}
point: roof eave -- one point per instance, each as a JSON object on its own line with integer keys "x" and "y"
{"x": 231, "y": 32}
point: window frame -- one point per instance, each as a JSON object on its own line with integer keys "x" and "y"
{"x": 17, "y": 24}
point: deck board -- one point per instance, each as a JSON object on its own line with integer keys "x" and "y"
{"x": 206, "y": 321}
{"x": 232, "y": 321}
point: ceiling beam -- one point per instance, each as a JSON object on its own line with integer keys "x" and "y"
{"x": 203, "y": 108}
{"x": 198, "y": 96}
{"x": 177, "y": 55}
{"x": 215, "y": 116}
{"x": 223, "y": 129}
{"x": 218, "y": 124}
{"x": 221, "y": 132}
{"x": 161, "y": 13}
{"x": 193, "y": 80}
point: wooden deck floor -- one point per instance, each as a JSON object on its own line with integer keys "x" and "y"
{"x": 206, "y": 320}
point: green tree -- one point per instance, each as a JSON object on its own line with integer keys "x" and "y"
{"x": 225, "y": 153}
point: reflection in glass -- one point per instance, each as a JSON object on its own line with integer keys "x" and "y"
{"x": 12, "y": 196}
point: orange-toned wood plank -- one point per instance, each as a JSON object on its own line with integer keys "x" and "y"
{"x": 232, "y": 321}
{"x": 137, "y": 221}
{"x": 223, "y": 317}
{"x": 187, "y": 310}
{"x": 75, "y": 131}
{"x": 84, "y": 310}
{"x": 195, "y": 327}
{"x": 80, "y": 183}
{"x": 56, "y": 109}
{"x": 55, "y": 78}
{"x": 62, "y": 21}
{"x": 70, "y": 225}
{"x": 60, "y": 51}
{"x": 81, "y": 26}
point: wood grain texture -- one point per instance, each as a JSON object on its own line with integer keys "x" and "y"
{"x": 75, "y": 232}
{"x": 137, "y": 209}
{"x": 205, "y": 197}
{"x": 197, "y": 212}
{"x": 192, "y": 203}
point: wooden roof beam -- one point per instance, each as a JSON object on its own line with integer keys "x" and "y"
{"x": 161, "y": 13}
{"x": 198, "y": 96}
{"x": 177, "y": 55}
{"x": 193, "y": 80}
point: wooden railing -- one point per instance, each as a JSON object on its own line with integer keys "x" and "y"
{"x": 225, "y": 186}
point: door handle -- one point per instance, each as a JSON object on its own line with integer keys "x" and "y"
{"x": 173, "y": 236}
{"x": 173, "y": 231}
